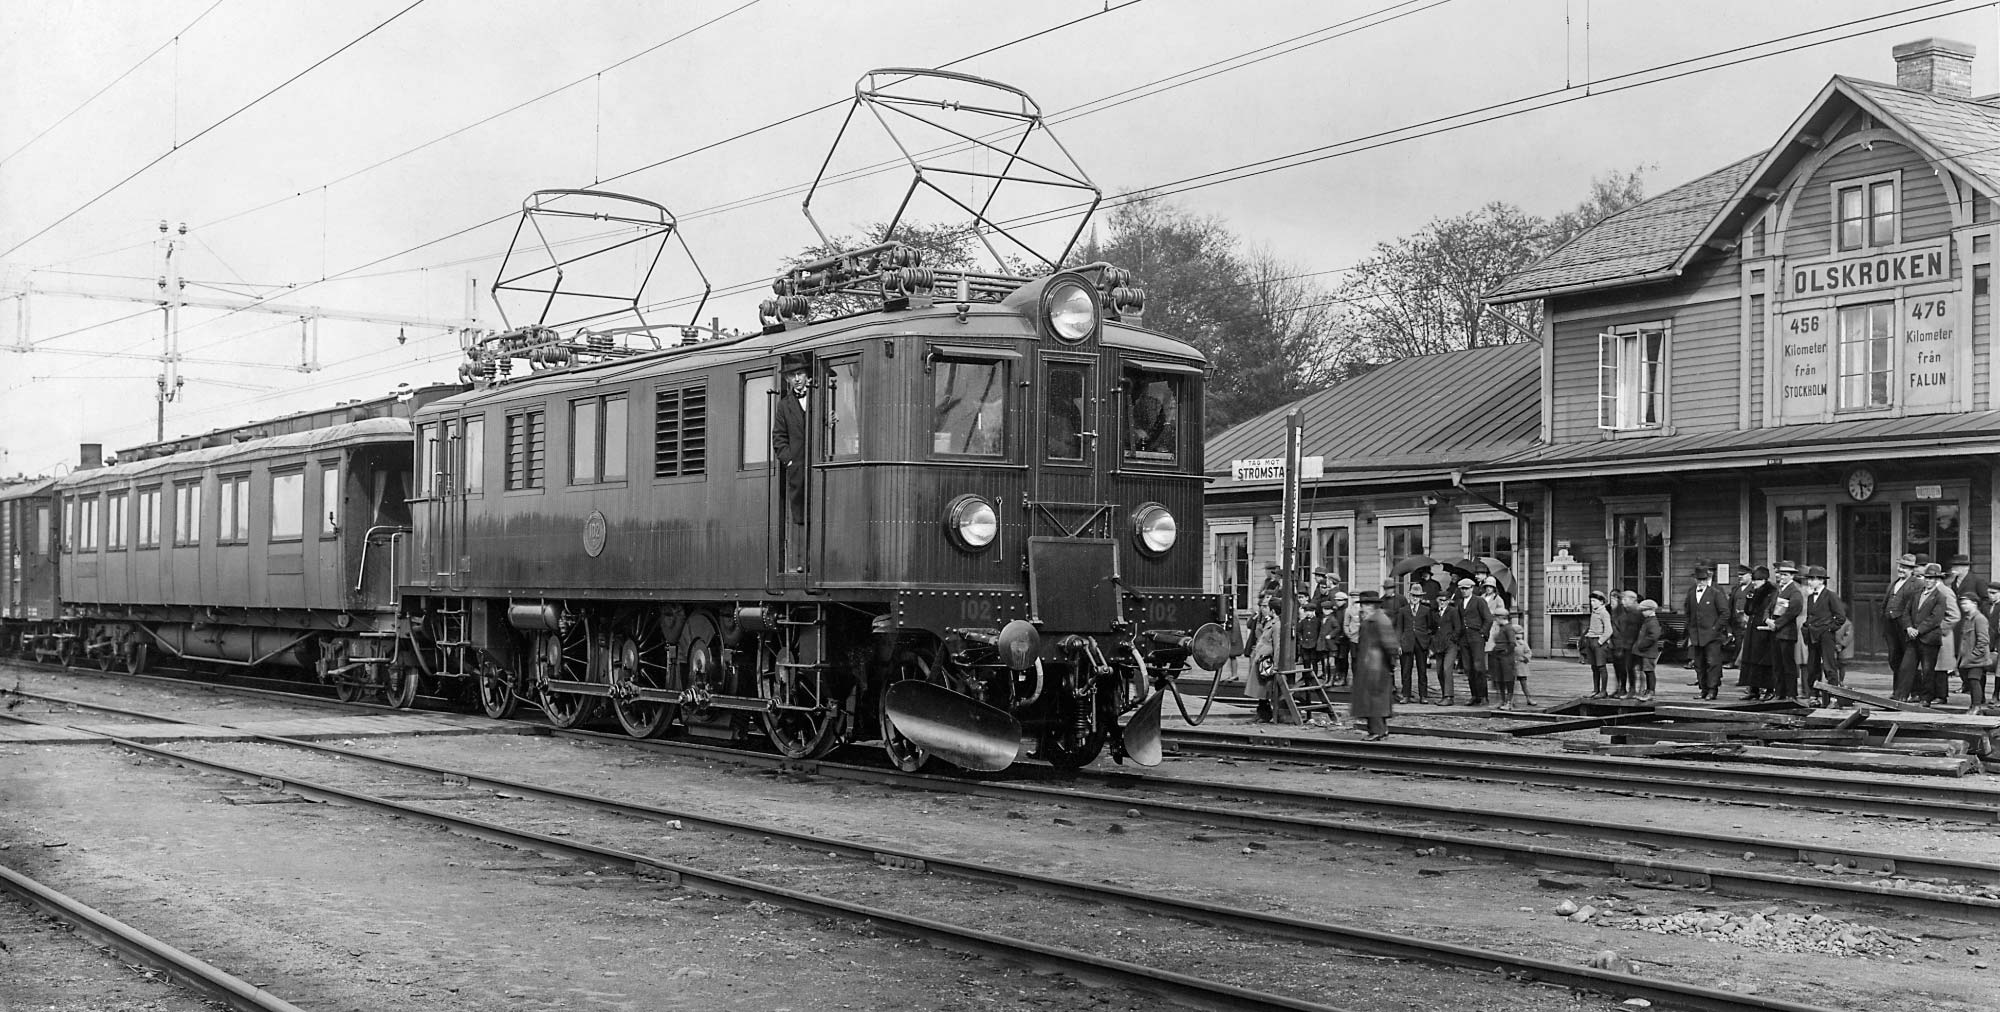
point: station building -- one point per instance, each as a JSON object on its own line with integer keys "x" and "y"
{"x": 1788, "y": 358}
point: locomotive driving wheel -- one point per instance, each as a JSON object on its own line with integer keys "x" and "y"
{"x": 136, "y": 656}
{"x": 641, "y": 659}
{"x": 907, "y": 755}
{"x": 333, "y": 657}
{"x": 564, "y": 656}
{"x": 104, "y": 650}
{"x": 499, "y": 696}
{"x": 1078, "y": 735}
{"x": 399, "y": 685}
{"x": 806, "y": 718}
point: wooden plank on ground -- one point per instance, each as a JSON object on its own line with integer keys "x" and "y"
{"x": 1637, "y": 735}
{"x": 1586, "y": 724}
{"x": 1716, "y": 713}
{"x": 1911, "y": 721}
{"x": 1719, "y": 750}
{"x": 1450, "y": 732}
{"x": 1866, "y": 762}
{"x": 1944, "y": 747}
{"x": 1857, "y": 696}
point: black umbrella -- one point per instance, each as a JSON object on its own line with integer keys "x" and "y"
{"x": 1413, "y": 563}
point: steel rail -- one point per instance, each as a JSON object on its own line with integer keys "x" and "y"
{"x": 1873, "y": 890}
{"x": 1862, "y": 795}
{"x": 136, "y": 946}
{"x": 1206, "y": 993}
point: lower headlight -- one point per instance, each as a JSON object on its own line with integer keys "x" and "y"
{"x": 1154, "y": 528}
{"x": 972, "y": 521}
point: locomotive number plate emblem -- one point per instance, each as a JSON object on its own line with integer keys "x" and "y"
{"x": 593, "y": 534}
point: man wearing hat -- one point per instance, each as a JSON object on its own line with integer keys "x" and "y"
{"x": 1467, "y": 621}
{"x": 788, "y": 444}
{"x": 1961, "y": 579}
{"x": 1273, "y": 580}
{"x": 1372, "y": 698}
{"x": 1782, "y": 612}
{"x": 1739, "y": 597}
{"x": 1826, "y": 616}
{"x": 1416, "y": 632}
{"x": 1896, "y": 604}
{"x": 1935, "y": 612}
{"x": 1707, "y": 611}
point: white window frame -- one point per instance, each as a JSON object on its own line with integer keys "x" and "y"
{"x": 1614, "y": 414}
{"x": 1483, "y": 514}
{"x": 1838, "y": 360}
{"x": 1867, "y": 186}
{"x": 1416, "y": 516}
{"x": 1215, "y": 529}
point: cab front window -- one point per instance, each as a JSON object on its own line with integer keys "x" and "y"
{"x": 969, "y": 408}
{"x": 1150, "y": 405}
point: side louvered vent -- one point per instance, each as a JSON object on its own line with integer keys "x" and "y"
{"x": 680, "y": 433}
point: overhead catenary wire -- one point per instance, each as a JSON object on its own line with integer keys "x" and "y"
{"x": 1432, "y": 127}
{"x": 99, "y": 93}
{"x": 205, "y": 131}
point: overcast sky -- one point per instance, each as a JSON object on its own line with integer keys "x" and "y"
{"x": 449, "y": 63}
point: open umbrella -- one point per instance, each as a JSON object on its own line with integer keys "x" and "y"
{"x": 1501, "y": 574}
{"x": 1412, "y": 563}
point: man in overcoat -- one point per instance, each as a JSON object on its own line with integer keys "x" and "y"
{"x": 1826, "y": 615}
{"x": 1935, "y": 612}
{"x": 1708, "y": 625}
{"x": 1782, "y": 612}
{"x": 1372, "y": 698}
{"x": 1962, "y": 581}
{"x": 788, "y": 444}
{"x": 1467, "y": 621}
{"x": 1896, "y": 605}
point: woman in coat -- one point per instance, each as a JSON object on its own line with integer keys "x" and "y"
{"x": 1756, "y": 660}
{"x": 1372, "y": 697}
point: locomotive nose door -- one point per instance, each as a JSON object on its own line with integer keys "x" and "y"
{"x": 1067, "y": 417}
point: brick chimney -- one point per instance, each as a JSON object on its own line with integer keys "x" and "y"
{"x": 1939, "y": 66}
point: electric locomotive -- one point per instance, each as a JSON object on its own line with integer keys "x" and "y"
{"x": 940, "y": 522}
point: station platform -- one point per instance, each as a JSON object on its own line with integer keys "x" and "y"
{"x": 303, "y": 728}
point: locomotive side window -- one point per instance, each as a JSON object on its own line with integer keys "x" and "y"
{"x": 1063, "y": 412}
{"x": 233, "y": 501}
{"x": 585, "y": 452}
{"x": 115, "y": 524}
{"x": 472, "y": 476}
{"x": 1150, "y": 405}
{"x": 427, "y": 450}
{"x": 842, "y": 383}
{"x": 525, "y": 436}
{"x": 680, "y": 432}
{"x": 187, "y": 513}
{"x": 288, "y": 506}
{"x": 969, "y": 408}
{"x": 148, "y": 517}
{"x": 756, "y": 432}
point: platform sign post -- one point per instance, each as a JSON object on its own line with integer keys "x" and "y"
{"x": 1284, "y": 709}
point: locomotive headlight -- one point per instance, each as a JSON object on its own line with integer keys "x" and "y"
{"x": 1072, "y": 310}
{"x": 1154, "y": 528}
{"x": 972, "y": 521}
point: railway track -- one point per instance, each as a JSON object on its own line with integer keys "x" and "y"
{"x": 1183, "y": 988}
{"x": 137, "y": 947}
{"x": 1861, "y": 877}
{"x": 1859, "y": 795}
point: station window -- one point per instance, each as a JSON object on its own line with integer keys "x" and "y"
{"x": 680, "y": 432}
{"x": 1867, "y": 353}
{"x": 472, "y": 474}
{"x": 1639, "y": 541}
{"x": 86, "y": 524}
{"x": 597, "y": 440}
{"x": 147, "y": 515}
{"x": 1232, "y": 569}
{"x": 969, "y": 408}
{"x": 288, "y": 506}
{"x": 1151, "y": 406}
{"x": 1631, "y": 387}
{"x": 525, "y": 436}
{"x": 1063, "y": 404}
{"x": 756, "y": 432}
{"x": 1491, "y": 539}
{"x": 232, "y": 500}
{"x": 115, "y": 520}
{"x": 1933, "y": 529}
{"x": 1866, "y": 213}
{"x": 1401, "y": 541}
{"x": 1333, "y": 551}
{"x": 1802, "y": 535}
{"x": 329, "y": 500}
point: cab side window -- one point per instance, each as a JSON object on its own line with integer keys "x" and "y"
{"x": 1150, "y": 406}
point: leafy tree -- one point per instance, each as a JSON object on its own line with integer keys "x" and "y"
{"x": 1420, "y": 294}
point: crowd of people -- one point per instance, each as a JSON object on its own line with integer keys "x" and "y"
{"x": 1784, "y": 630}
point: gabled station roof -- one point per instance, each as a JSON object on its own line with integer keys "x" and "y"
{"x": 1413, "y": 419}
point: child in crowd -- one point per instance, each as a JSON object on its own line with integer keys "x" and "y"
{"x": 1500, "y": 655}
{"x": 1646, "y": 651}
{"x": 1595, "y": 644}
{"x": 1973, "y": 639}
{"x": 1522, "y": 655}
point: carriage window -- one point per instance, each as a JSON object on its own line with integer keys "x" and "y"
{"x": 329, "y": 499}
{"x": 1062, "y": 419}
{"x": 472, "y": 476}
{"x": 288, "y": 506}
{"x": 1151, "y": 406}
{"x": 149, "y": 517}
{"x": 756, "y": 432}
{"x": 842, "y": 383}
{"x": 427, "y": 449}
{"x": 969, "y": 408}
{"x": 69, "y": 524}
{"x": 86, "y": 524}
{"x": 233, "y": 500}
{"x": 597, "y": 440}
{"x": 114, "y": 520}
{"x": 187, "y": 513}
{"x": 41, "y": 530}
